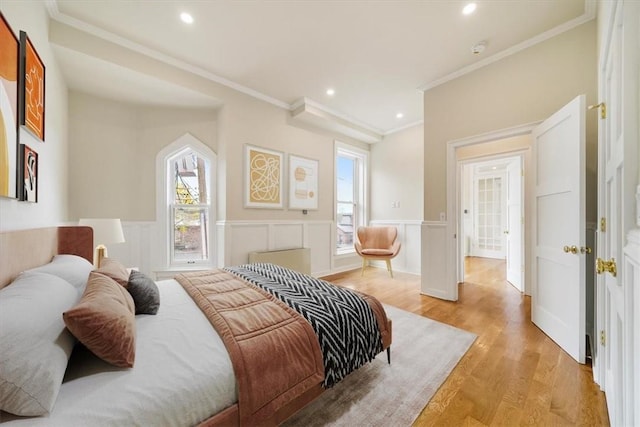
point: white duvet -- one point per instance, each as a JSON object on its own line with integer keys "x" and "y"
{"x": 181, "y": 376}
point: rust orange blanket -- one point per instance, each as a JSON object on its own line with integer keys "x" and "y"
{"x": 274, "y": 351}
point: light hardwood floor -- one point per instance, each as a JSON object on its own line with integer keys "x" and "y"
{"x": 513, "y": 374}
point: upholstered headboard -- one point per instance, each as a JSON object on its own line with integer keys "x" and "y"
{"x": 24, "y": 249}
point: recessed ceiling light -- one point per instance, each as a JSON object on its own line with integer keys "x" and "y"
{"x": 186, "y": 18}
{"x": 331, "y": 92}
{"x": 399, "y": 116}
{"x": 469, "y": 9}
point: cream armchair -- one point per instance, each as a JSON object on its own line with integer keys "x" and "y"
{"x": 377, "y": 243}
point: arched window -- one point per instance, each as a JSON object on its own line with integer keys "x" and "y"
{"x": 185, "y": 207}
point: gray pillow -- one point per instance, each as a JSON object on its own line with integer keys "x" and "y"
{"x": 72, "y": 268}
{"x": 35, "y": 346}
{"x": 144, "y": 292}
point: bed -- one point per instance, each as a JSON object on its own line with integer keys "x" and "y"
{"x": 186, "y": 372}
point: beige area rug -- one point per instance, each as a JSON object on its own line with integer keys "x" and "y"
{"x": 423, "y": 354}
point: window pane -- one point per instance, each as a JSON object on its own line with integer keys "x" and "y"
{"x": 190, "y": 233}
{"x": 345, "y": 225}
{"x": 345, "y": 168}
{"x": 190, "y": 179}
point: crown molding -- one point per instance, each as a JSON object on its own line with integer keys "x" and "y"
{"x": 588, "y": 15}
{"x": 55, "y": 14}
{"x": 308, "y": 111}
{"x": 403, "y": 127}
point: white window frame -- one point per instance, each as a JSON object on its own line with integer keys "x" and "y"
{"x": 361, "y": 182}
{"x": 165, "y": 201}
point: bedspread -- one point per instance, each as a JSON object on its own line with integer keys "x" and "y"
{"x": 274, "y": 351}
{"x": 342, "y": 319}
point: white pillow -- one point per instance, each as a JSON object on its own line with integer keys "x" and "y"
{"x": 72, "y": 268}
{"x": 35, "y": 346}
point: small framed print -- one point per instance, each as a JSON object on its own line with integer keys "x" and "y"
{"x": 28, "y": 181}
{"x": 31, "y": 88}
{"x": 303, "y": 183}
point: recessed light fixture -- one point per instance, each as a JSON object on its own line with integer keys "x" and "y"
{"x": 399, "y": 116}
{"x": 331, "y": 92}
{"x": 469, "y": 9}
{"x": 186, "y": 18}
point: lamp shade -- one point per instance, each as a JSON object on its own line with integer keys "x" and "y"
{"x": 105, "y": 230}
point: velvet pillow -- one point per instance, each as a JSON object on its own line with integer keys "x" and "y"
{"x": 104, "y": 321}
{"x": 72, "y": 268}
{"x": 34, "y": 344}
{"x": 115, "y": 270}
{"x": 144, "y": 292}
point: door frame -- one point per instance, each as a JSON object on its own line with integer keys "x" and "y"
{"x": 454, "y": 245}
{"x": 520, "y": 155}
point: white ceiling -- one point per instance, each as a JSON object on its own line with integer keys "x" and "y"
{"x": 377, "y": 55}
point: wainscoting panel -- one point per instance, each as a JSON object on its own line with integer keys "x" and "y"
{"x": 136, "y": 250}
{"x": 434, "y": 259}
{"x": 245, "y": 238}
{"x": 286, "y": 236}
{"x": 408, "y": 259}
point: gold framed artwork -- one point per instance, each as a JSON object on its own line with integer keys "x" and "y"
{"x": 9, "y": 60}
{"x": 263, "y": 170}
{"x": 303, "y": 183}
{"x": 32, "y": 88}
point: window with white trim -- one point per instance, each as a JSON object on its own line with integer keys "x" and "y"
{"x": 351, "y": 178}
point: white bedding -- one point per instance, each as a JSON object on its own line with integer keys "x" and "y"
{"x": 182, "y": 375}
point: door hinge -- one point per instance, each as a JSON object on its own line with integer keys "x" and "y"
{"x": 603, "y": 109}
{"x": 603, "y": 224}
{"x": 603, "y": 338}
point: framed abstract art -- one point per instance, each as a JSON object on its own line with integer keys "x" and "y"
{"x": 32, "y": 88}
{"x": 28, "y": 174}
{"x": 9, "y": 59}
{"x": 303, "y": 183}
{"x": 263, "y": 170}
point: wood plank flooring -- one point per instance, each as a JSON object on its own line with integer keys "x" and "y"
{"x": 513, "y": 374}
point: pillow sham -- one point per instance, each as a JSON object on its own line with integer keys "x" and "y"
{"x": 72, "y": 268}
{"x": 104, "y": 321}
{"x": 144, "y": 292}
{"x": 115, "y": 270}
{"x": 34, "y": 343}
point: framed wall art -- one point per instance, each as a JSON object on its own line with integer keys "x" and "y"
{"x": 9, "y": 60}
{"x": 263, "y": 170}
{"x": 303, "y": 183}
{"x": 32, "y": 88}
{"x": 28, "y": 174}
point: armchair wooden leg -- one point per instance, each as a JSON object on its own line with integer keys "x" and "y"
{"x": 389, "y": 268}
{"x": 364, "y": 264}
{"x": 389, "y": 355}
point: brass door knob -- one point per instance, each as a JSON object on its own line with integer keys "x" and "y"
{"x": 585, "y": 250}
{"x": 573, "y": 249}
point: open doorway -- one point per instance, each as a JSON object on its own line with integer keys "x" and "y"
{"x": 491, "y": 212}
{"x": 510, "y": 152}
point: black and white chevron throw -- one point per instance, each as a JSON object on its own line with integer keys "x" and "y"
{"x": 344, "y": 323}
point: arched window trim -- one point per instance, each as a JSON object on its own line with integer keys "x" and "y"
{"x": 164, "y": 199}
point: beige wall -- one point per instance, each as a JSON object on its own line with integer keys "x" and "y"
{"x": 51, "y": 208}
{"x": 397, "y": 166}
{"x": 113, "y": 148}
{"x": 523, "y": 88}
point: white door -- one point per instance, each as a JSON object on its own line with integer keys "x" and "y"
{"x": 618, "y": 136}
{"x": 515, "y": 223}
{"x": 558, "y": 270}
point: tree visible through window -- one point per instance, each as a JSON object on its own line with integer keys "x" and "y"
{"x": 190, "y": 207}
